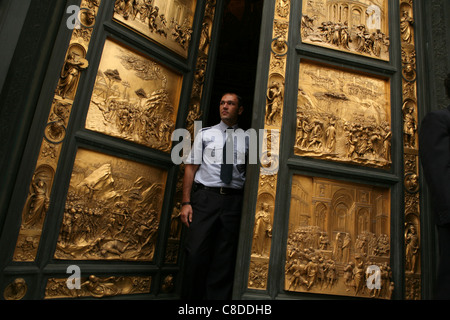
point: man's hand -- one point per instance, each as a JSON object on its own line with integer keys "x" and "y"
{"x": 188, "y": 179}
{"x": 186, "y": 214}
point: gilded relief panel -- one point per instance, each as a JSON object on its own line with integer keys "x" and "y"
{"x": 167, "y": 22}
{"x": 343, "y": 116}
{"x": 358, "y": 27}
{"x": 98, "y": 287}
{"x": 112, "y": 211}
{"x": 134, "y": 98}
{"x": 337, "y": 232}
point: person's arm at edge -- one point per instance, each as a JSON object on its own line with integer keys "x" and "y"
{"x": 435, "y": 156}
{"x": 188, "y": 180}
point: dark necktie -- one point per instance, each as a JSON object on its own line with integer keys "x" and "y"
{"x": 226, "y": 170}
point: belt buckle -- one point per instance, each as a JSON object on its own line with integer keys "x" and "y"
{"x": 222, "y": 191}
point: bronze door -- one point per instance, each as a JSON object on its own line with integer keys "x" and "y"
{"x": 340, "y": 213}
{"x": 98, "y": 217}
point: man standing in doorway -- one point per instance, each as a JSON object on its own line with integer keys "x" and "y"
{"x": 434, "y": 140}
{"x": 212, "y": 202}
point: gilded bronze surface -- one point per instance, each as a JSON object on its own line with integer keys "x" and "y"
{"x": 39, "y": 195}
{"x": 112, "y": 210}
{"x": 358, "y": 27}
{"x": 16, "y": 290}
{"x": 343, "y": 116}
{"x": 74, "y": 64}
{"x": 194, "y": 113}
{"x": 275, "y": 97}
{"x": 134, "y": 98}
{"x": 412, "y": 236}
{"x": 98, "y": 287}
{"x": 336, "y": 231}
{"x": 167, "y": 22}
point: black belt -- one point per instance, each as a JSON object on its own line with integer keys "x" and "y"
{"x": 219, "y": 190}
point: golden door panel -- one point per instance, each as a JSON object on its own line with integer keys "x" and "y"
{"x": 167, "y": 22}
{"x": 112, "y": 209}
{"x": 98, "y": 287}
{"x": 134, "y": 98}
{"x": 338, "y": 230}
{"x": 358, "y": 27}
{"x": 343, "y": 116}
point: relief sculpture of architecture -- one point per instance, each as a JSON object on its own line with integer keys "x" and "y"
{"x": 339, "y": 233}
{"x": 112, "y": 211}
{"x": 343, "y": 116}
{"x": 134, "y": 98}
{"x": 359, "y": 27}
{"x": 167, "y": 22}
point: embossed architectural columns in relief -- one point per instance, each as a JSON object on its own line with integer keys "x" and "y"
{"x": 411, "y": 153}
{"x": 265, "y": 206}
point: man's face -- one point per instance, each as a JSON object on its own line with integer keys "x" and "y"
{"x": 229, "y": 109}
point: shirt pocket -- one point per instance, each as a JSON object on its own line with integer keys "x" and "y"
{"x": 212, "y": 154}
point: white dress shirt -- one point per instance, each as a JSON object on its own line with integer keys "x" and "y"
{"x": 207, "y": 152}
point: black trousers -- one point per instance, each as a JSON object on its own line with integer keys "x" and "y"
{"x": 211, "y": 245}
{"x": 443, "y": 277}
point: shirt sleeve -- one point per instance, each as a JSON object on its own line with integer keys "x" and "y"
{"x": 196, "y": 154}
{"x": 435, "y": 156}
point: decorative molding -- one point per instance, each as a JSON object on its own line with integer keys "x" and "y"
{"x": 412, "y": 228}
{"x": 264, "y": 215}
{"x": 37, "y": 202}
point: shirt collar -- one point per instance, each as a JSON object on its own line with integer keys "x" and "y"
{"x": 223, "y": 126}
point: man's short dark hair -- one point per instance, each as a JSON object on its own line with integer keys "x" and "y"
{"x": 447, "y": 85}
{"x": 240, "y": 100}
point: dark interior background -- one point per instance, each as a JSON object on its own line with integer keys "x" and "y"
{"x": 237, "y": 57}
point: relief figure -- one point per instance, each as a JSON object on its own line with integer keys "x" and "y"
{"x": 412, "y": 248}
{"x": 263, "y": 230}
{"x": 38, "y": 199}
{"x": 274, "y": 102}
{"x": 406, "y": 27}
{"x": 70, "y": 74}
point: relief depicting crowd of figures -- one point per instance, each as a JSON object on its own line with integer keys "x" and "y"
{"x": 135, "y": 100}
{"x": 167, "y": 22}
{"x": 338, "y": 232}
{"x": 340, "y": 266}
{"x": 112, "y": 210}
{"x": 353, "y": 26}
{"x": 343, "y": 116}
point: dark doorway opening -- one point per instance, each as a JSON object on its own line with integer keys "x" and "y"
{"x": 237, "y": 57}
